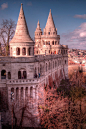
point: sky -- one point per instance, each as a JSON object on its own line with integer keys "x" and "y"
{"x": 69, "y": 17}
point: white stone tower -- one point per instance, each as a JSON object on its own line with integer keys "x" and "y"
{"x": 49, "y": 40}
{"x": 38, "y": 34}
{"x": 21, "y": 44}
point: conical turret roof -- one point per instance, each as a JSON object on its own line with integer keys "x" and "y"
{"x": 50, "y": 22}
{"x": 21, "y": 33}
{"x": 38, "y": 27}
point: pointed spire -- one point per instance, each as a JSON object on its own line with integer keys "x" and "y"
{"x": 21, "y": 33}
{"x": 50, "y": 10}
{"x": 38, "y": 25}
{"x": 50, "y": 22}
{"x": 38, "y": 29}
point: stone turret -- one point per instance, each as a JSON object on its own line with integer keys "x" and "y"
{"x": 21, "y": 44}
{"x": 50, "y": 26}
{"x": 38, "y": 31}
{"x": 38, "y": 34}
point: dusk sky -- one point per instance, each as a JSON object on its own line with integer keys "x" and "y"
{"x": 69, "y": 17}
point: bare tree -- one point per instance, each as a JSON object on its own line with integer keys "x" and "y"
{"x": 6, "y": 33}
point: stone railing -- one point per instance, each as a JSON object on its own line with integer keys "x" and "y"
{"x": 28, "y": 59}
{"x": 24, "y": 81}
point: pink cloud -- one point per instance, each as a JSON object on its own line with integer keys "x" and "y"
{"x": 80, "y": 16}
{"x": 4, "y": 6}
{"x": 77, "y": 38}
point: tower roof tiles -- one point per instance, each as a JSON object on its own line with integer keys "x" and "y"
{"x": 50, "y": 22}
{"x": 21, "y": 33}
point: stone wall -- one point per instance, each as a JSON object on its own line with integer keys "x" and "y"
{"x": 3, "y": 99}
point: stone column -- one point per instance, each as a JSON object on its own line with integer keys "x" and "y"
{"x": 28, "y": 92}
{"x": 24, "y": 95}
{"x": 33, "y": 93}
{"x": 34, "y": 98}
{"x": 37, "y": 70}
{"x": 21, "y": 73}
{"x": 15, "y": 94}
{"x": 27, "y": 51}
{"x": 36, "y": 102}
{"x": 19, "y": 96}
{"x": 20, "y": 51}
{"x": 6, "y": 74}
{"x": 9, "y": 98}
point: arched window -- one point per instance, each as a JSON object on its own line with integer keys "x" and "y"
{"x": 29, "y": 51}
{"x": 26, "y": 92}
{"x": 19, "y": 74}
{"x": 24, "y": 51}
{"x": 35, "y": 73}
{"x": 55, "y": 42}
{"x": 17, "y": 51}
{"x": 52, "y": 42}
{"x": 12, "y": 90}
{"x": 31, "y": 92}
{"x": 9, "y": 75}
{"x": 3, "y": 74}
{"x": 22, "y": 74}
{"x": 49, "y": 33}
{"x": 21, "y": 91}
{"x": 65, "y": 61}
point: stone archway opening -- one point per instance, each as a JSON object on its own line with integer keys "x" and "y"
{"x": 22, "y": 74}
{"x": 17, "y": 51}
{"x": 24, "y": 51}
{"x": 9, "y": 75}
{"x": 29, "y": 51}
{"x": 3, "y": 74}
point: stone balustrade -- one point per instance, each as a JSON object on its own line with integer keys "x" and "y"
{"x": 30, "y": 59}
{"x": 24, "y": 81}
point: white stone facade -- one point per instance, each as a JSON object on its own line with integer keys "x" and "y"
{"x": 24, "y": 72}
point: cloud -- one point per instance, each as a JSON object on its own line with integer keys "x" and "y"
{"x": 29, "y": 3}
{"x": 77, "y": 38}
{"x": 4, "y": 6}
{"x": 80, "y": 16}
